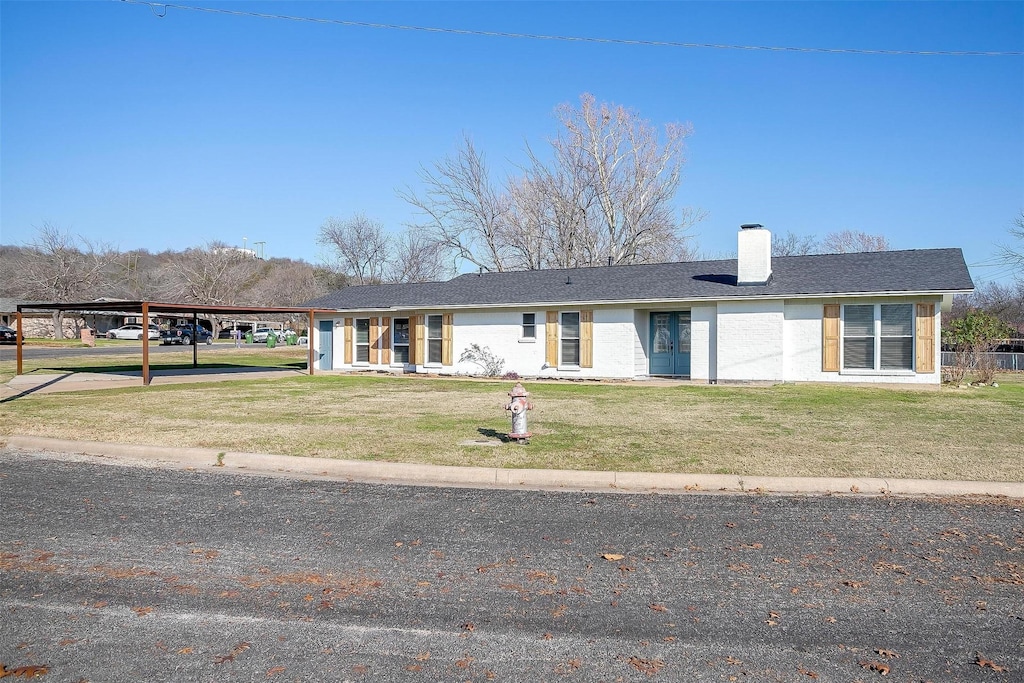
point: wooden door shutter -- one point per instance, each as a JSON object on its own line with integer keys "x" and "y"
{"x": 385, "y": 341}
{"x": 830, "y": 338}
{"x": 551, "y": 335}
{"x": 374, "y": 340}
{"x": 586, "y": 339}
{"x": 925, "y": 342}
{"x": 348, "y": 341}
{"x": 416, "y": 339}
{"x": 446, "y": 339}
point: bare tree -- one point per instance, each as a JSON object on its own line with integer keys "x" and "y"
{"x": 605, "y": 191}
{"x": 358, "y": 246}
{"x": 61, "y": 267}
{"x": 215, "y": 275}
{"x": 464, "y": 213}
{"x": 416, "y": 258}
{"x": 792, "y": 244}
{"x": 1013, "y": 254}
{"x": 851, "y": 241}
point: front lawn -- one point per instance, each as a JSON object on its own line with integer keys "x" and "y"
{"x": 792, "y": 430}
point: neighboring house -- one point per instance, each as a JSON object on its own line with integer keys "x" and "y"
{"x": 835, "y": 317}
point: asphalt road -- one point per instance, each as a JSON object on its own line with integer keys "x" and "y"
{"x": 132, "y": 574}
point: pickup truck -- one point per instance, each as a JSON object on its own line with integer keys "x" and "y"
{"x": 184, "y": 334}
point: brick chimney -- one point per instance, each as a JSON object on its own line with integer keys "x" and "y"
{"x": 755, "y": 255}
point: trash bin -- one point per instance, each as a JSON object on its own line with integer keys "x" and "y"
{"x": 271, "y": 340}
{"x": 293, "y": 339}
{"x": 248, "y": 337}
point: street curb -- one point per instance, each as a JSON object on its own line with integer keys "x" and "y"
{"x": 494, "y": 477}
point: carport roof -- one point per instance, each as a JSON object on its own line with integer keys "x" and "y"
{"x": 155, "y": 307}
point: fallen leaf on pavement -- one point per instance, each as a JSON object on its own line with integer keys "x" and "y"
{"x": 613, "y": 557}
{"x": 988, "y": 664}
{"x": 876, "y": 666}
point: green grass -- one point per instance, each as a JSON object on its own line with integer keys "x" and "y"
{"x": 797, "y": 430}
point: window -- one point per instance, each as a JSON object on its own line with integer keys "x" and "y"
{"x": 878, "y": 337}
{"x": 362, "y": 340}
{"x": 529, "y": 325}
{"x": 433, "y": 339}
{"x": 400, "y": 340}
{"x": 570, "y": 339}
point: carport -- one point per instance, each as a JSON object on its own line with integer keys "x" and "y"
{"x": 146, "y": 308}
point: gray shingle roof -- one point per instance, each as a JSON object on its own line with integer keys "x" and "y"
{"x": 918, "y": 270}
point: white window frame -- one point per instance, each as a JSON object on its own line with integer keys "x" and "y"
{"x": 439, "y": 339}
{"x": 523, "y": 337}
{"x": 562, "y": 365}
{"x": 407, "y": 344}
{"x": 877, "y": 341}
{"x": 356, "y": 344}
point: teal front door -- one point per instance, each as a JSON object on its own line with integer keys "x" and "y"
{"x": 670, "y": 343}
{"x": 325, "y": 342}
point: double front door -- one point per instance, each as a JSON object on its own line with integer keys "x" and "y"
{"x": 670, "y": 343}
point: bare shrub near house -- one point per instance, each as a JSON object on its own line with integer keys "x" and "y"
{"x": 490, "y": 364}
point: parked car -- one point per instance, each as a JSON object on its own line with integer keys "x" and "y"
{"x": 8, "y": 335}
{"x": 184, "y": 334}
{"x": 261, "y": 334}
{"x": 132, "y": 332}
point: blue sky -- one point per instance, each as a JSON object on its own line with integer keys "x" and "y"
{"x": 165, "y": 133}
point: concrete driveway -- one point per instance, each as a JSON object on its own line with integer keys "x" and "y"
{"x": 126, "y": 574}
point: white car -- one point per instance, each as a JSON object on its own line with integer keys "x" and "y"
{"x": 261, "y": 334}
{"x": 133, "y": 332}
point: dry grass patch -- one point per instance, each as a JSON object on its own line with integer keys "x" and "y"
{"x": 799, "y": 430}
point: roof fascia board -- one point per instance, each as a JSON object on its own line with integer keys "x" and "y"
{"x": 650, "y": 302}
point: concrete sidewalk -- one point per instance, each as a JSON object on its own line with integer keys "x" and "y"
{"x": 490, "y": 477}
{"x": 33, "y": 383}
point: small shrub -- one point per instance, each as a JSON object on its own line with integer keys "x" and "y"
{"x": 511, "y": 374}
{"x": 972, "y": 338}
{"x": 490, "y": 364}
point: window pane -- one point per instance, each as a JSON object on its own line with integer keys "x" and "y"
{"x": 897, "y": 320}
{"x": 434, "y": 351}
{"x": 859, "y": 353}
{"x": 402, "y": 331}
{"x": 662, "y": 335}
{"x": 433, "y": 327}
{"x": 362, "y": 353}
{"x": 859, "y": 321}
{"x": 683, "y": 333}
{"x": 529, "y": 326}
{"x": 362, "y": 330}
{"x": 570, "y": 352}
{"x": 897, "y": 353}
{"x": 570, "y": 325}
{"x": 402, "y": 353}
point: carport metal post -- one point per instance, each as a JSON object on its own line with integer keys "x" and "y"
{"x": 309, "y": 343}
{"x": 195, "y": 339}
{"x": 17, "y": 317}
{"x": 145, "y": 343}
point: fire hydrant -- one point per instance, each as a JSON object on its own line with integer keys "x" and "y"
{"x": 519, "y": 405}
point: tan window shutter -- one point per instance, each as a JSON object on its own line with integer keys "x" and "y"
{"x": 446, "y": 339}
{"x": 416, "y": 338}
{"x": 374, "y": 340}
{"x": 830, "y": 339}
{"x": 551, "y": 334}
{"x": 385, "y": 341}
{"x": 348, "y": 341}
{"x": 586, "y": 339}
{"x": 925, "y": 338}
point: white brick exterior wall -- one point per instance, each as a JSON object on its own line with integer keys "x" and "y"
{"x": 703, "y": 338}
{"x": 803, "y": 339}
{"x": 759, "y": 340}
{"x": 750, "y": 340}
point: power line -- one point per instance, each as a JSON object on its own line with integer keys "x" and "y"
{"x": 154, "y": 6}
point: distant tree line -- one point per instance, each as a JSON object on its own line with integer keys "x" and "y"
{"x": 60, "y": 266}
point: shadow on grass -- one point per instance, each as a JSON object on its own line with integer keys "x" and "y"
{"x": 32, "y": 390}
{"x": 492, "y": 434}
{"x": 157, "y": 367}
